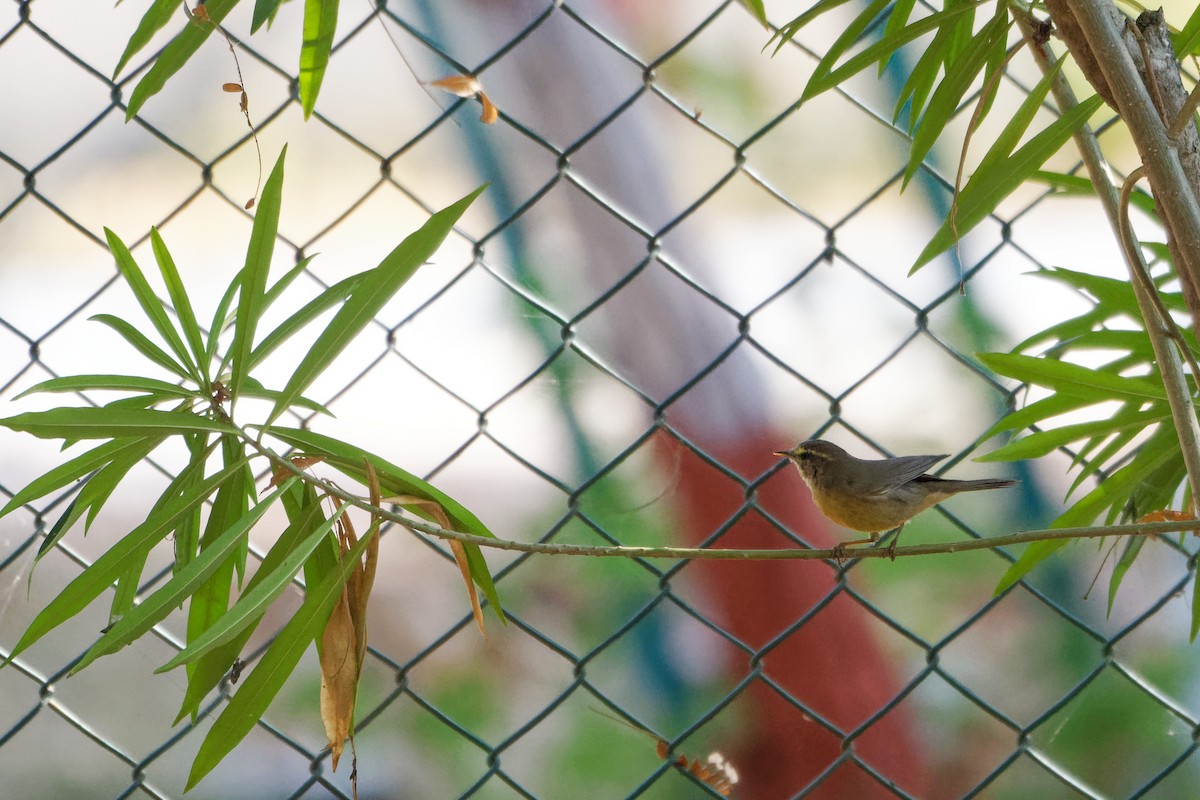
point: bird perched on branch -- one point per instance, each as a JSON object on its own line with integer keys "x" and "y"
{"x": 875, "y": 496}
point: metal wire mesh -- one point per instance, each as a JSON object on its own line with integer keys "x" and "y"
{"x": 680, "y": 270}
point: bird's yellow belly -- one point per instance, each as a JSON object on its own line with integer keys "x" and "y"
{"x": 866, "y": 514}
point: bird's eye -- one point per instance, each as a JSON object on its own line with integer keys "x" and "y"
{"x": 804, "y": 455}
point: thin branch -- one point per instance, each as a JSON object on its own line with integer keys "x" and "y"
{"x": 710, "y": 554}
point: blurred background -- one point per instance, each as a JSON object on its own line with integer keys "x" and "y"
{"x": 674, "y": 271}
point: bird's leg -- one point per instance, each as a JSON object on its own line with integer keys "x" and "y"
{"x": 895, "y": 536}
{"x": 839, "y": 551}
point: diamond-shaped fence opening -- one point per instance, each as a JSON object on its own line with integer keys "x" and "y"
{"x": 675, "y": 271}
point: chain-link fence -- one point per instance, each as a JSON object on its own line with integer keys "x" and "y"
{"x": 676, "y": 271}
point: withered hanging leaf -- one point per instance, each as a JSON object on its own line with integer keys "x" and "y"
{"x": 339, "y": 667}
{"x": 490, "y": 112}
{"x": 456, "y": 547}
{"x": 469, "y": 86}
{"x": 281, "y": 474}
{"x": 459, "y": 85}
{"x": 232, "y": 88}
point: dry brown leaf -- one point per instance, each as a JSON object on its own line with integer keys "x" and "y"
{"x": 490, "y": 112}
{"x": 299, "y": 462}
{"x": 232, "y": 88}
{"x": 456, "y": 547}
{"x": 469, "y": 86}
{"x": 459, "y": 85}
{"x": 339, "y": 671}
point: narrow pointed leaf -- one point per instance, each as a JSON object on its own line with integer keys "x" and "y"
{"x": 254, "y": 275}
{"x": 264, "y": 11}
{"x": 1072, "y": 379}
{"x": 158, "y": 605}
{"x": 176, "y": 54}
{"x": 182, "y": 303}
{"x": 824, "y": 81}
{"x": 788, "y": 32}
{"x": 259, "y": 688}
{"x": 949, "y": 93}
{"x": 996, "y": 180}
{"x": 88, "y": 585}
{"x": 320, "y": 23}
{"x": 1036, "y": 445}
{"x": 303, "y": 509}
{"x": 110, "y": 423}
{"x": 155, "y": 18}
{"x": 150, "y": 303}
{"x": 755, "y": 7}
{"x": 274, "y": 575}
{"x": 116, "y": 383}
{"x": 326, "y": 300}
{"x": 222, "y": 320}
{"x": 1024, "y": 417}
{"x": 72, "y": 470}
{"x": 1128, "y": 556}
{"x": 143, "y": 345}
{"x": 369, "y": 296}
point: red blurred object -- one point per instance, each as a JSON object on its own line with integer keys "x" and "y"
{"x": 830, "y": 664}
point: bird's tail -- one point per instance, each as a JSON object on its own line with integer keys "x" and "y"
{"x": 948, "y": 485}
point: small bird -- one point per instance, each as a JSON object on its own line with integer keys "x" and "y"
{"x": 874, "y": 496}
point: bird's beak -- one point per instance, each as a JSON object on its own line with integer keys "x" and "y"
{"x": 781, "y": 453}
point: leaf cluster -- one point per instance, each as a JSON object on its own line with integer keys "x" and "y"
{"x": 937, "y": 89}
{"x": 214, "y": 370}
{"x": 320, "y": 23}
{"x": 1131, "y": 443}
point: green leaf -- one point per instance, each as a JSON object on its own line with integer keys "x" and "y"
{"x": 253, "y": 277}
{"x": 788, "y": 32}
{"x": 1195, "y": 608}
{"x": 395, "y": 481}
{"x": 106, "y": 569}
{"x": 211, "y": 599}
{"x": 326, "y": 300}
{"x": 126, "y": 592}
{"x": 1132, "y": 548}
{"x": 176, "y": 54}
{"x": 1035, "y": 412}
{"x": 1188, "y": 43}
{"x": 150, "y": 303}
{"x": 264, "y": 11}
{"x": 143, "y": 345}
{"x": 1072, "y": 379}
{"x": 1034, "y": 554}
{"x": 1039, "y": 444}
{"x": 277, "y": 289}
{"x": 252, "y": 388}
{"x": 155, "y": 18}
{"x": 117, "y": 383}
{"x": 755, "y": 7}
{"x": 823, "y": 80}
{"x": 320, "y": 23}
{"x": 182, "y": 303}
{"x": 1079, "y": 185}
{"x": 370, "y": 295}
{"x": 95, "y": 494}
{"x": 259, "y": 688}
{"x": 274, "y": 575}
{"x": 221, "y": 319}
{"x": 845, "y": 40}
{"x": 158, "y": 605}
{"x": 997, "y": 177}
{"x": 1114, "y": 294}
{"x": 897, "y": 19}
{"x": 949, "y": 93}
{"x": 72, "y": 470}
{"x": 107, "y": 422}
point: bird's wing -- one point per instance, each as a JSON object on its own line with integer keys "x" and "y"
{"x": 898, "y": 471}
